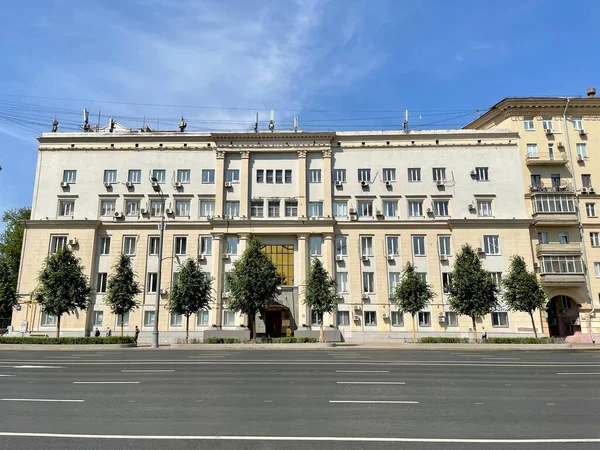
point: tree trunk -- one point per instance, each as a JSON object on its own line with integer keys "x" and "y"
{"x": 414, "y": 329}
{"x": 533, "y": 324}
{"x": 187, "y": 329}
{"x": 57, "y": 327}
{"x": 254, "y": 328}
{"x": 122, "y": 319}
{"x": 474, "y": 329}
{"x": 321, "y": 332}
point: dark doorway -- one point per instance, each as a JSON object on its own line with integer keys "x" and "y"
{"x": 563, "y": 316}
{"x": 273, "y": 323}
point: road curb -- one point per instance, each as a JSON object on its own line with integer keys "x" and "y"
{"x": 251, "y": 346}
{"x": 468, "y": 347}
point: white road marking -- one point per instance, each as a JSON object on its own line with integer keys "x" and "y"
{"x": 106, "y": 382}
{"x": 502, "y": 359}
{"x": 371, "y": 382}
{"x": 39, "y": 400}
{"x": 1, "y": 375}
{"x": 551, "y": 404}
{"x": 147, "y": 370}
{"x": 578, "y": 373}
{"x": 362, "y": 371}
{"x": 63, "y": 357}
{"x": 37, "y": 367}
{"x": 384, "y": 402}
{"x": 304, "y": 438}
{"x": 479, "y": 403}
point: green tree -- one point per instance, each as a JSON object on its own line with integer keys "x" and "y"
{"x": 191, "y": 293}
{"x": 122, "y": 289}
{"x": 63, "y": 287}
{"x": 472, "y": 292}
{"x": 522, "y": 290}
{"x": 254, "y": 283}
{"x": 11, "y": 242}
{"x": 412, "y": 294}
{"x": 319, "y": 293}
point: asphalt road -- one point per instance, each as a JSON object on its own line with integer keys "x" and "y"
{"x": 339, "y": 398}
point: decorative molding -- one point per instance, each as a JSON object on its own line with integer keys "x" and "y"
{"x": 326, "y": 153}
{"x": 220, "y": 154}
{"x": 301, "y": 153}
{"x": 245, "y": 154}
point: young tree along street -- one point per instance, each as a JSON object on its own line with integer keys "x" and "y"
{"x": 412, "y": 294}
{"x": 63, "y": 287}
{"x": 254, "y": 283}
{"x": 122, "y": 289}
{"x": 472, "y": 292}
{"x": 522, "y": 289}
{"x": 319, "y": 293}
{"x": 191, "y": 293}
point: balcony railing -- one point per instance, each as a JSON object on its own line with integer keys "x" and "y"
{"x": 547, "y": 159}
{"x": 562, "y": 279}
{"x": 556, "y": 248}
{"x": 564, "y": 187}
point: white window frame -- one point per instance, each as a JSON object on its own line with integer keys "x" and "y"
{"x": 127, "y": 245}
{"x": 590, "y": 209}
{"x": 101, "y": 282}
{"x": 180, "y": 245}
{"x": 316, "y": 246}
{"x": 153, "y": 245}
{"x": 232, "y": 176}
{"x": 563, "y": 237}
{"x": 315, "y": 207}
{"x": 149, "y": 318}
{"x": 498, "y": 317}
{"x": 597, "y": 269}
{"x": 341, "y": 280}
{"x": 551, "y": 203}
{"x": 484, "y": 208}
{"x": 287, "y": 176}
{"x": 104, "y": 245}
{"x": 152, "y": 282}
{"x": 561, "y": 265}
{"x": 595, "y": 239}
{"x": 390, "y": 208}
{"x": 366, "y": 245}
{"x": 257, "y": 208}
{"x": 228, "y": 318}
{"x": 175, "y": 320}
{"x": 368, "y": 282}
{"x": 548, "y": 123}
{"x": 184, "y": 176}
{"x": 532, "y": 151}
{"x": 397, "y": 318}
{"x": 441, "y": 208}
{"x": 125, "y": 320}
{"x": 291, "y": 208}
{"x": 577, "y": 123}
{"x": 439, "y": 174}
{"x": 108, "y": 208}
{"x": 451, "y": 319}
{"x": 46, "y": 320}
{"x": 132, "y": 208}
{"x": 207, "y": 208}
{"x": 110, "y": 176}
{"x": 57, "y": 242}
{"x": 232, "y": 243}
{"x": 70, "y": 176}
{"x": 496, "y": 278}
{"x": 340, "y": 208}
{"x": 206, "y": 245}
{"x": 182, "y": 208}
{"x": 392, "y": 245}
{"x": 364, "y": 175}
{"x": 364, "y": 208}
{"x": 341, "y": 246}
{"x": 157, "y": 208}
{"x": 202, "y": 318}
{"x": 370, "y": 318}
{"x": 389, "y": 175}
{"x": 160, "y": 175}
{"x": 444, "y": 245}
{"x": 419, "y": 245}
{"x": 66, "y": 208}
{"x": 415, "y": 208}
{"x": 208, "y": 176}
{"x": 279, "y": 176}
{"x": 346, "y": 321}
{"x": 232, "y": 208}
{"x": 339, "y": 175}
{"x": 491, "y": 244}
{"x": 393, "y": 281}
{"x": 274, "y": 208}
{"x": 482, "y": 173}
{"x": 528, "y": 123}
{"x": 424, "y": 318}
{"x": 414, "y": 174}
{"x": 542, "y": 237}
{"x": 314, "y": 175}
{"x": 582, "y": 150}
{"x": 134, "y": 176}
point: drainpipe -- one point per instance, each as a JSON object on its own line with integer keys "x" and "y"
{"x": 579, "y": 223}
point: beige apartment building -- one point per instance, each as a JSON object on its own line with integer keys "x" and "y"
{"x": 558, "y": 140}
{"x": 366, "y": 203}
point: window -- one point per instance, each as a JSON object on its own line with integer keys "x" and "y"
{"x": 180, "y": 245}
{"x": 208, "y": 176}
{"x": 343, "y": 318}
{"x": 547, "y": 122}
{"x": 340, "y": 209}
{"x": 444, "y": 245}
{"x": 205, "y": 245}
{"x": 393, "y": 281}
{"x": 389, "y": 174}
{"x": 586, "y": 180}
{"x": 269, "y": 176}
{"x": 366, "y": 245}
{"x": 451, "y": 319}
{"x": 176, "y": 320}
{"x": 316, "y": 243}
{"x": 228, "y": 318}
{"x": 565, "y": 301}
{"x": 415, "y": 208}
{"x": 532, "y": 151}
{"x": 107, "y": 207}
{"x": 314, "y": 175}
{"x": 104, "y": 245}
{"x": 482, "y": 173}
{"x": 153, "y": 245}
{"x": 577, "y": 123}
{"x": 47, "y": 320}
{"x": 183, "y": 176}
{"x": 202, "y": 318}
{"x": 182, "y": 208}
{"x": 132, "y": 207}
{"x": 390, "y": 208}
{"x": 129, "y": 243}
{"x": 397, "y": 319}
{"x": 101, "y": 282}
{"x": 423, "y": 276}
{"x": 57, "y": 243}
{"x": 274, "y": 208}
{"x": 288, "y": 176}
{"x": 341, "y": 281}
{"x": 418, "y": 245}
{"x": 314, "y": 318}
{"x": 370, "y": 318}
{"x": 233, "y": 176}
{"x": 393, "y": 247}
{"x": 152, "y": 282}
{"x": 110, "y": 176}
{"x": 414, "y": 174}
{"x": 341, "y": 247}
{"x": 528, "y": 122}
{"x": 546, "y": 203}
{"x": 440, "y": 207}
{"x": 543, "y": 237}
{"x": 595, "y": 239}
{"x": 232, "y": 245}
{"x": 66, "y": 208}
{"x": 134, "y": 176}
{"x": 257, "y": 209}
{"x": 291, "y": 208}
{"x": 365, "y": 208}
{"x": 315, "y": 209}
{"x": 156, "y": 208}
{"x": 597, "y": 269}
{"x": 499, "y": 319}
{"x": 279, "y": 176}
{"x": 283, "y": 258}
{"x": 424, "y": 319}
{"x": 260, "y": 176}
{"x": 563, "y": 237}
{"x": 439, "y": 174}
{"x": 491, "y": 244}
{"x": 582, "y": 150}
{"x": 551, "y": 152}
{"x": 232, "y": 209}
{"x": 590, "y": 209}
{"x": 484, "y": 208}
{"x": 339, "y": 175}
{"x": 368, "y": 282}
{"x": 364, "y": 175}
{"x": 446, "y": 280}
{"x": 561, "y": 264}
{"x": 496, "y": 278}
{"x": 207, "y": 208}
{"x": 70, "y": 176}
{"x": 125, "y": 320}
{"x": 160, "y": 175}
{"x": 149, "y": 317}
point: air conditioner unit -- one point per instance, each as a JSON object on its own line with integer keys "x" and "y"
{"x": 129, "y": 184}
{"x": 73, "y": 242}
{"x": 357, "y": 307}
{"x": 440, "y": 182}
{"x": 353, "y": 217}
{"x": 225, "y": 295}
{"x": 364, "y": 296}
{"x": 338, "y": 183}
{"x": 228, "y": 184}
{"x": 64, "y": 184}
{"x": 443, "y": 257}
{"x": 118, "y": 214}
{"x": 385, "y": 316}
{"x": 591, "y": 190}
{"x": 163, "y": 292}
{"x": 429, "y": 210}
{"x": 473, "y": 173}
{"x": 225, "y": 256}
{"x": 178, "y": 184}
{"x": 560, "y": 144}
{"x": 352, "y": 211}
{"x": 106, "y": 184}
{"x": 154, "y": 184}
{"x": 168, "y": 211}
{"x": 364, "y": 258}
{"x": 201, "y": 257}
{"x": 143, "y": 211}
{"x": 378, "y": 213}
{"x": 390, "y": 257}
{"x": 356, "y": 318}
{"x": 471, "y": 206}
{"x": 584, "y": 190}
{"x": 363, "y": 183}
{"x": 582, "y": 132}
{"x": 548, "y": 130}
{"x": 388, "y": 183}
{"x": 441, "y": 317}
{"x": 480, "y": 250}
{"x": 209, "y": 217}
{"x": 339, "y": 258}
{"x": 580, "y": 158}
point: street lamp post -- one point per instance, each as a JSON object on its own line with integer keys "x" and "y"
{"x": 159, "y": 191}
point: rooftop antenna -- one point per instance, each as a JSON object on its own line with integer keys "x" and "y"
{"x": 272, "y": 121}
{"x": 86, "y": 118}
{"x": 99, "y": 114}
{"x": 54, "y": 126}
{"x": 256, "y": 122}
{"x": 405, "y": 124}
{"x": 296, "y": 124}
{"x": 111, "y": 125}
{"x": 182, "y": 125}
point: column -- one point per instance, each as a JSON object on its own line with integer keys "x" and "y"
{"x": 327, "y": 186}
{"x": 219, "y": 184}
{"x": 302, "y": 183}
{"x": 300, "y": 277}
{"x": 328, "y": 250}
{"x": 245, "y": 180}
{"x": 217, "y": 273}
{"x": 242, "y": 246}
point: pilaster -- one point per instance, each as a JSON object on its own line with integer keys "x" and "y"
{"x": 219, "y": 183}
{"x": 328, "y": 246}
{"x": 327, "y": 186}
{"x": 300, "y": 276}
{"x": 302, "y": 212}
{"x": 217, "y": 273}
{"x": 245, "y": 180}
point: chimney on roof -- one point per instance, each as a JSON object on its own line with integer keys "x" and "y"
{"x": 591, "y": 92}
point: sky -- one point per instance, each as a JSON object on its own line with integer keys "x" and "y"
{"x": 336, "y": 64}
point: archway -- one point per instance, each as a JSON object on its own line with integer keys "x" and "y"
{"x": 563, "y": 316}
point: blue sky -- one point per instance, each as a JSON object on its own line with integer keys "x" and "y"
{"x": 346, "y": 64}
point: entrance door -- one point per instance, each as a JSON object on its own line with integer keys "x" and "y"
{"x": 273, "y": 324}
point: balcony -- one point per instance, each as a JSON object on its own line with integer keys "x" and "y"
{"x": 554, "y": 219}
{"x": 558, "y": 249}
{"x": 563, "y": 187}
{"x": 547, "y": 159}
{"x": 562, "y": 279}
{"x": 557, "y": 208}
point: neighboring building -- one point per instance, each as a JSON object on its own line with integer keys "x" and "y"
{"x": 559, "y": 139}
{"x": 366, "y": 203}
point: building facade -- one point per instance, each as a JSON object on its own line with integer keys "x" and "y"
{"x": 366, "y": 203}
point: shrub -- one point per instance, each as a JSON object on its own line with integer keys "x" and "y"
{"x": 67, "y": 340}
{"x": 443, "y": 340}
{"x": 521, "y": 340}
{"x": 224, "y": 340}
{"x": 291, "y": 340}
